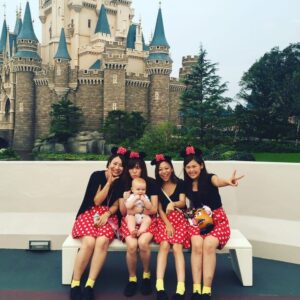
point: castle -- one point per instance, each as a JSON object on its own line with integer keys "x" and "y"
{"x": 92, "y": 53}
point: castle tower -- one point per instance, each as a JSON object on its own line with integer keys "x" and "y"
{"x": 159, "y": 67}
{"x": 115, "y": 62}
{"x": 3, "y": 41}
{"x": 26, "y": 62}
{"x": 62, "y": 67}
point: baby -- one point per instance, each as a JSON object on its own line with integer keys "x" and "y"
{"x": 138, "y": 199}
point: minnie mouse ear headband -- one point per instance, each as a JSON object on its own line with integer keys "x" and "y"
{"x": 134, "y": 154}
{"x": 159, "y": 158}
{"x": 191, "y": 150}
{"x": 118, "y": 150}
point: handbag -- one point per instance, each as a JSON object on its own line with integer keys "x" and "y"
{"x": 170, "y": 199}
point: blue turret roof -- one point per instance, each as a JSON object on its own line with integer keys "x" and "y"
{"x": 3, "y": 36}
{"x": 96, "y": 65}
{"x": 18, "y": 26}
{"x": 102, "y": 24}
{"x": 131, "y": 36}
{"x": 27, "y": 32}
{"x": 62, "y": 50}
{"x": 145, "y": 47}
{"x": 159, "y": 56}
{"x": 28, "y": 54}
{"x": 12, "y": 42}
{"x": 159, "y": 38}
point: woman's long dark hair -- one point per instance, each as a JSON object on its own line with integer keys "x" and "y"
{"x": 173, "y": 178}
{"x": 132, "y": 163}
{"x": 198, "y": 159}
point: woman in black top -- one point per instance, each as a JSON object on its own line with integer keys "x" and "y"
{"x": 202, "y": 189}
{"x": 171, "y": 225}
{"x": 136, "y": 167}
{"x": 96, "y": 222}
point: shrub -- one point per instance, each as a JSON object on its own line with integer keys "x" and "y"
{"x": 8, "y": 154}
{"x": 66, "y": 119}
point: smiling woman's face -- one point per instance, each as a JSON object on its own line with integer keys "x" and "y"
{"x": 116, "y": 167}
{"x": 165, "y": 171}
{"x": 193, "y": 169}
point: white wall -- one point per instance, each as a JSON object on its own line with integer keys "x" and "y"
{"x": 40, "y": 200}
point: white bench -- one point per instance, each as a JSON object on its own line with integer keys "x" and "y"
{"x": 239, "y": 248}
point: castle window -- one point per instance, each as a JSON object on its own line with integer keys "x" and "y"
{"x": 58, "y": 71}
{"x": 89, "y": 23}
{"x": 114, "y": 106}
{"x": 7, "y": 109}
{"x": 21, "y": 107}
{"x": 85, "y": 71}
{"x": 115, "y": 79}
{"x": 156, "y": 61}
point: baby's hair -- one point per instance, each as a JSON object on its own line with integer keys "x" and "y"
{"x": 138, "y": 180}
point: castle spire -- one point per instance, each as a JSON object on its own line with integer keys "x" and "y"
{"x": 3, "y": 37}
{"x": 159, "y": 38}
{"x": 131, "y": 36}
{"x": 27, "y": 32}
{"x": 102, "y": 24}
{"x": 18, "y": 25}
{"x": 62, "y": 50}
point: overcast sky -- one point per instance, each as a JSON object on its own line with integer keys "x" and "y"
{"x": 235, "y": 33}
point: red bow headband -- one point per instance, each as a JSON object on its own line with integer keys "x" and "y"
{"x": 189, "y": 150}
{"x": 159, "y": 157}
{"x": 134, "y": 154}
{"x": 118, "y": 151}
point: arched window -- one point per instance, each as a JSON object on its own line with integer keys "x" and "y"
{"x": 7, "y": 110}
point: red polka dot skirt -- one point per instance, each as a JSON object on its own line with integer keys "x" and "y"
{"x": 124, "y": 232}
{"x": 180, "y": 226}
{"x": 221, "y": 228}
{"x": 84, "y": 224}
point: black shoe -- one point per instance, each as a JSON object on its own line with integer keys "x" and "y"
{"x": 75, "y": 293}
{"x": 88, "y": 293}
{"x": 196, "y": 296}
{"x": 130, "y": 289}
{"x": 206, "y": 296}
{"x": 146, "y": 288}
{"x": 161, "y": 295}
{"x": 178, "y": 297}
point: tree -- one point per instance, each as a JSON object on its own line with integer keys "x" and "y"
{"x": 271, "y": 89}
{"x": 202, "y": 103}
{"x": 123, "y": 127}
{"x": 161, "y": 138}
{"x": 66, "y": 119}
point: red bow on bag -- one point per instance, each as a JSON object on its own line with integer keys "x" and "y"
{"x": 189, "y": 150}
{"x": 134, "y": 155}
{"x": 121, "y": 150}
{"x": 159, "y": 157}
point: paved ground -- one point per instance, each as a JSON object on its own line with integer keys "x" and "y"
{"x": 26, "y": 275}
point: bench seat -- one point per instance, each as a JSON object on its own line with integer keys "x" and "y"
{"x": 238, "y": 246}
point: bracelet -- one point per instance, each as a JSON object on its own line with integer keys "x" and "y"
{"x": 109, "y": 213}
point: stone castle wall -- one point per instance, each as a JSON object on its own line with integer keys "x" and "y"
{"x": 89, "y": 97}
{"x": 24, "y": 111}
{"x": 44, "y": 99}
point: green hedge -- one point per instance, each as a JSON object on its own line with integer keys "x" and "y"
{"x": 8, "y": 154}
{"x": 68, "y": 156}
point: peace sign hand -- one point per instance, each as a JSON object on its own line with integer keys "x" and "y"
{"x": 233, "y": 180}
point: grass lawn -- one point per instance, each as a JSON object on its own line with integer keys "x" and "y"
{"x": 278, "y": 157}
